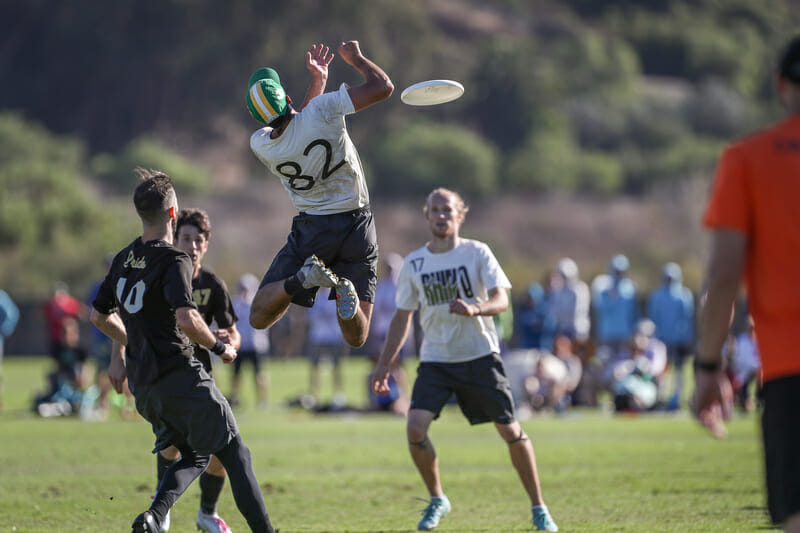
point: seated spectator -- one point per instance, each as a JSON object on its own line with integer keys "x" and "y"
{"x": 636, "y": 377}
{"x": 68, "y": 381}
{"x": 555, "y": 378}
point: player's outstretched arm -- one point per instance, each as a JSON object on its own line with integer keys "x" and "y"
{"x": 376, "y": 87}
{"x": 192, "y": 323}
{"x": 317, "y": 60}
{"x": 395, "y": 338}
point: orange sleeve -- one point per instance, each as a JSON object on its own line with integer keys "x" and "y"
{"x": 728, "y": 206}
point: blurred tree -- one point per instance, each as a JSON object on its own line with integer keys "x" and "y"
{"x": 417, "y": 158}
{"x": 51, "y": 226}
{"x": 147, "y": 152}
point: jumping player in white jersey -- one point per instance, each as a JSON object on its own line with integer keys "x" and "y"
{"x": 332, "y": 242}
{"x": 459, "y": 286}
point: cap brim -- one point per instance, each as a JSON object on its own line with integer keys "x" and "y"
{"x": 264, "y": 73}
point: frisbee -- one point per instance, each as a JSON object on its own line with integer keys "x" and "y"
{"x": 432, "y": 92}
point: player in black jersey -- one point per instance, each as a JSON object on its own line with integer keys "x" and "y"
{"x": 145, "y": 303}
{"x": 214, "y": 304}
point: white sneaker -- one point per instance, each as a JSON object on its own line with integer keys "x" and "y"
{"x": 164, "y": 524}
{"x": 314, "y": 273}
{"x": 211, "y": 523}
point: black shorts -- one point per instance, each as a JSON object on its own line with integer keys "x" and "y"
{"x": 248, "y": 355}
{"x": 781, "y": 434}
{"x": 186, "y": 408}
{"x": 346, "y": 242}
{"x": 481, "y": 388}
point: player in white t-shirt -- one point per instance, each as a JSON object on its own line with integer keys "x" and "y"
{"x": 333, "y": 241}
{"x": 459, "y": 286}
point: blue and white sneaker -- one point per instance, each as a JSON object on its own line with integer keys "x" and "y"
{"x": 346, "y": 299}
{"x": 436, "y": 509}
{"x": 542, "y": 520}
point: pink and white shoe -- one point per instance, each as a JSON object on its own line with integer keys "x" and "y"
{"x": 211, "y": 523}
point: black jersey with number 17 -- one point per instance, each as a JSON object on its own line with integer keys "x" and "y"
{"x": 146, "y": 284}
{"x": 214, "y": 303}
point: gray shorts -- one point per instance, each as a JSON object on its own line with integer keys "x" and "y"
{"x": 480, "y": 386}
{"x": 186, "y": 408}
{"x": 346, "y": 242}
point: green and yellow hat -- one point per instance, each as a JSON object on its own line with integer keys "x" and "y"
{"x": 266, "y": 99}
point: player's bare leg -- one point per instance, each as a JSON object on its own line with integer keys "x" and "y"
{"x": 355, "y": 330}
{"x": 422, "y": 451}
{"x": 269, "y": 305}
{"x": 523, "y": 459}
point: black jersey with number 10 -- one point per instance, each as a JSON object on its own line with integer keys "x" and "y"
{"x": 146, "y": 284}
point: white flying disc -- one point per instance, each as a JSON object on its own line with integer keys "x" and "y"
{"x": 432, "y": 92}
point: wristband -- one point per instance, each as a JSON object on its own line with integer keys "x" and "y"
{"x": 707, "y": 366}
{"x": 218, "y": 348}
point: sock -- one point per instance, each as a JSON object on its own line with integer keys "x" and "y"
{"x": 210, "y": 489}
{"x": 542, "y": 508}
{"x": 235, "y": 457}
{"x": 162, "y": 464}
{"x": 292, "y": 285}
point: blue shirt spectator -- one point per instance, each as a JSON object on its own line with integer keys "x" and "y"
{"x": 9, "y": 315}
{"x": 534, "y": 324}
{"x": 671, "y": 308}
{"x": 615, "y": 305}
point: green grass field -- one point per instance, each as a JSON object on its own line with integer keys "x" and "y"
{"x": 318, "y": 472}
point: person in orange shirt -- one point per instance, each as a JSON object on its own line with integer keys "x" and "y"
{"x": 754, "y": 221}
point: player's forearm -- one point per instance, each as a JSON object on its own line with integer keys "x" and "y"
{"x": 316, "y": 88}
{"x": 724, "y": 276}
{"x": 111, "y": 325}
{"x": 395, "y": 338}
{"x": 496, "y": 304}
{"x": 192, "y": 323}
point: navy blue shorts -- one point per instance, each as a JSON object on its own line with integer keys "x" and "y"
{"x": 346, "y": 242}
{"x": 781, "y": 434}
{"x": 480, "y": 386}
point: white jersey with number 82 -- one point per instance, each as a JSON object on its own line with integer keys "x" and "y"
{"x": 314, "y": 157}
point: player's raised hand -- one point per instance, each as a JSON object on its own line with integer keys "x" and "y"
{"x": 317, "y": 60}
{"x": 229, "y": 354}
{"x": 349, "y": 51}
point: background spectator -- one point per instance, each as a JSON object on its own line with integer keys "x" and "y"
{"x": 9, "y": 315}
{"x": 325, "y": 341}
{"x": 671, "y": 308}
{"x": 254, "y": 344}
{"x": 534, "y": 325}
{"x": 568, "y": 302}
